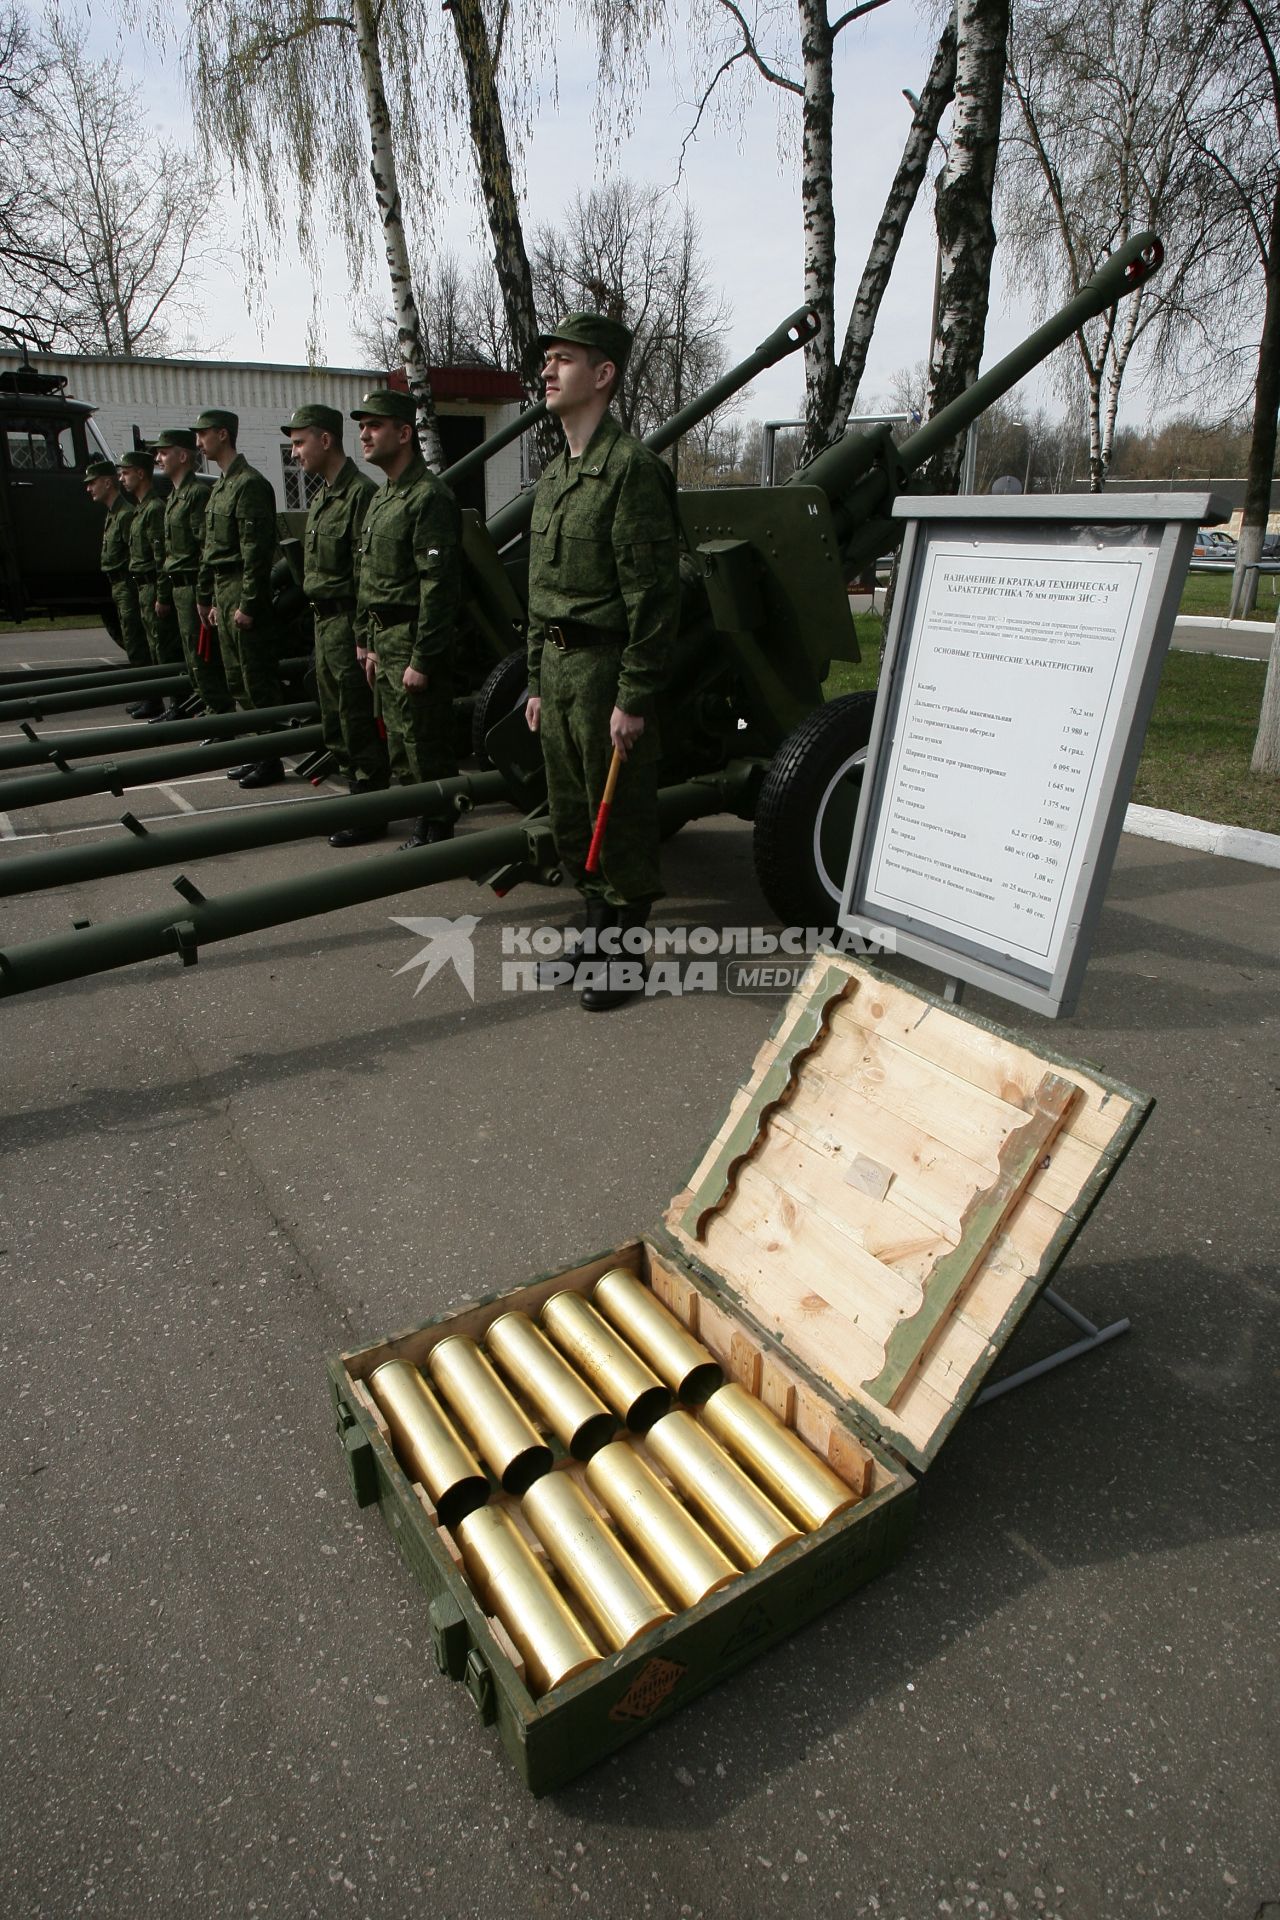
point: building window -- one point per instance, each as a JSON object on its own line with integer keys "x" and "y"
{"x": 300, "y": 488}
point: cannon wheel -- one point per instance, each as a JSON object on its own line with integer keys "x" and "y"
{"x": 502, "y": 691}
{"x": 804, "y": 817}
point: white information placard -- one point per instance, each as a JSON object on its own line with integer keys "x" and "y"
{"x": 1020, "y": 668}
{"x": 1010, "y": 706}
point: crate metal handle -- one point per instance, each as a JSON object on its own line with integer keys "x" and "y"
{"x": 478, "y": 1682}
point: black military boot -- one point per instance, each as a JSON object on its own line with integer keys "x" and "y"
{"x": 427, "y": 833}
{"x": 238, "y": 773}
{"x": 582, "y": 944}
{"x": 264, "y": 773}
{"x": 147, "y": 710}
{"x": 359, "y": 836}
{"x": 621, "y": 974}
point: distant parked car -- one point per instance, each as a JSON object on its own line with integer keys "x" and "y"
{"x": 1271, "y": 546}
{"x": 1212, "y": 544}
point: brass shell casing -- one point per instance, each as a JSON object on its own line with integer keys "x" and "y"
{"x": 791, "y": 1474}
{"x": 619, "y": 1376}
{"x": 684, "y": 1561}
{"x": 618, "y": 1600}
{"x": 429, "y": 1445}
{"x": 657, "y": 1336}
{"x": 504, "y": 1571}
{"x": 742, "y": 1518}
{"x": 578, "y": 1417}
{"x": 509, "y": 1444}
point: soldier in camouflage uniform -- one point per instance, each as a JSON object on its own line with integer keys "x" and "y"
{"x": 604, "y": 599}
{"x": 146, "y": 557}
{"x": 410, "y": 600}
{"x": 102, "y": 484}
{"x": 176, "y": 455}
{"x": 234, "y": 589}
{"x": 330, "y": 579}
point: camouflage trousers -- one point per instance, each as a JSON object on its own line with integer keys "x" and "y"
{"x": 163, "y": 639}
{"x": 207, "y": 676}
{"x": 420, "y": 741}
{"x": 579, "y": 692}
{"x": 133, "y": 636}
{"x": 346, "y": 704}
{"x": 250, "y": 656}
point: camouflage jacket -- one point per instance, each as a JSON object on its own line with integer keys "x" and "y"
{"x": 411, "y": 564}
{"x": 332, "y": 543}
{"x": 146, "y": 538}
{"x": 605, "y": 552}
{"x": 240, "y": 535}
{"x": 183, "y": 535}
{"x": 115, "y": 536}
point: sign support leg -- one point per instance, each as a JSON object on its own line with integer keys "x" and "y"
{"x": 1093, "y": 1337}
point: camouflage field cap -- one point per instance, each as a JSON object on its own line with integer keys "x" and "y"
{"x": 177, "y": 437}
{"x": 385, "y": 404}
{"x": 140, "y": 457}
{"x": 218, "y": 417}
{"x": 100, "y": 470}
{"x": 609, "y": 337}
{"x": 323, "y": 419}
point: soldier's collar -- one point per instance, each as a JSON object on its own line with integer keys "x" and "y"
{"x": 342, "y": 479}
{"x": 594, "y": 455}
{"x": 414, "y": 471}
{"x": 236, "y": 465}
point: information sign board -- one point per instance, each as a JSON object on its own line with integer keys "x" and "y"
{"x": 1019, "y": 671}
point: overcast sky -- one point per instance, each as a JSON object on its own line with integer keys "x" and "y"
{"x": 741, "y": 180}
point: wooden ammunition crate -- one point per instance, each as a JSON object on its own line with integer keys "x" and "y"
{"x": 891, "y": 1188}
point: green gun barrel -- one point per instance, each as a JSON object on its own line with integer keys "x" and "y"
{"x": 55, "y": 748}
{"x": 862, "y": 473}
{"x": 200, "y": 921}
{"x": 138, "y": 849}
{"x": 146, "y": 769}
{"x": 478, "y": 456}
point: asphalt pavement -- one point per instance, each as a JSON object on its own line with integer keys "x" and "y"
{"x": 219, "y": 1685}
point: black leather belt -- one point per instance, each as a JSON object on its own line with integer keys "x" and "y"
{"x": 183, "y": 579}
{"x": 393, "y": 615}
{"x": 571, "y": 636}
{"x": 327, "y": 608}
{"x": 148, "y": 577}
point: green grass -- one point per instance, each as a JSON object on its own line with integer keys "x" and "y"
{"x": 58, "y": 623}
{"x": 1210, "y": 593}
{"x": 1199, "y": 742}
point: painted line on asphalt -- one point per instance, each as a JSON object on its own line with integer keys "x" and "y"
{"x": 7, "y": 829}
{"x": 184, "y": 806}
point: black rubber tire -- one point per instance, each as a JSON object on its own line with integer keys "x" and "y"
{"x": 804, "y": 818}
{"x": 504, "y": 688}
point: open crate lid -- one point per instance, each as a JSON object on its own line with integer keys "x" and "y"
{"x": 892, "y": 1187}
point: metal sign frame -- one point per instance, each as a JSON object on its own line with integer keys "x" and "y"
{"x": 1161, "y": 523}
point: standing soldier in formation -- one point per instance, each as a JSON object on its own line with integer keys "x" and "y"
{"x": 146, "y": 559}
{"x": 234, "y": 590}
{"x": 102, "y": 484}
{"x": 330, "y": 581}
{"x": 410, "y": 600}
{"x": 604, "y": 603}
{"x": 175, "y": 452}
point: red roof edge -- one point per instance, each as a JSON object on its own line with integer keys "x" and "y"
{"x": 466, "y": 383}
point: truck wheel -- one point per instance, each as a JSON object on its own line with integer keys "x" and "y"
{"x": 804, "y": 819}
{"x": 503, "y": 690}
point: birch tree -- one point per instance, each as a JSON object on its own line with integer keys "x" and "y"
{"x": 1097, "y": 151}
{"x": 1234, "y": 128}
{"x": 303, "y": 103}
{"x": 966, "y": 232}
{"x": 804, "y": 69}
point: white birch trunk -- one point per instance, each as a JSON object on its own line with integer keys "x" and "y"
{"x": 819, "y": 217}
{"x": 938, "y": 91}
{"x": 387, "y": 191}
{"x": 1266, "y": 748}
{"x": 966, "y": 234}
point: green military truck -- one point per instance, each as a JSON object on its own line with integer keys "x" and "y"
{"x": 50, "y": 530}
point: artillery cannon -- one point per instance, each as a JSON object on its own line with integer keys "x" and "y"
{"x": 744, "y": 723}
